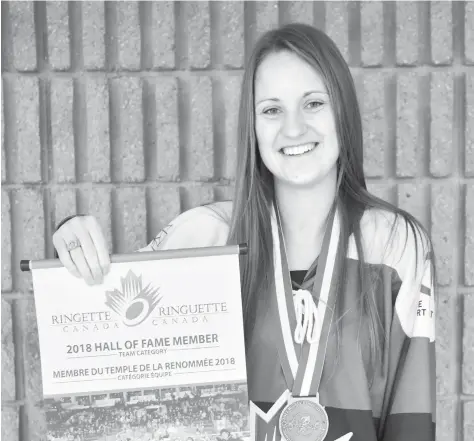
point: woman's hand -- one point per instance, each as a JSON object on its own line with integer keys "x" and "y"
{"x": 82, "y": 249}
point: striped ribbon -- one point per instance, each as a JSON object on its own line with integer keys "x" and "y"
{"x": 302, "y": 365}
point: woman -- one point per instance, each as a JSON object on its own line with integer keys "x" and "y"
{"x": 360, "y": 339}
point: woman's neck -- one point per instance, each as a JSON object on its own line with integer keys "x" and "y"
{"x": 304, "y": 212}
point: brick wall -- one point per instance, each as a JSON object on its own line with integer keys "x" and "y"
{"x": 127, "y": 111}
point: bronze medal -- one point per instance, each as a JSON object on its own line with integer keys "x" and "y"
{"x": 304, "y": 420}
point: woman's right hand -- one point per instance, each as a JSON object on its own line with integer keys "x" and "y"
{"x": 82, "y": 249}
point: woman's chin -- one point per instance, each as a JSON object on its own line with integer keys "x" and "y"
{"x": 311, "y": 179}
{"x": 300, "y": 181}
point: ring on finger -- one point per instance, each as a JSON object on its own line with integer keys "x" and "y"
{"x": 72, "y": 245}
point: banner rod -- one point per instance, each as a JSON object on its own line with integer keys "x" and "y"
{"x": 241, "y": 249}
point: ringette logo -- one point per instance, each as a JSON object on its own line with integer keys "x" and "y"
{"x": 135, "y": 302}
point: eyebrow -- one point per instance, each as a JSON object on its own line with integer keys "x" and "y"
{"x": 304, "y": 96}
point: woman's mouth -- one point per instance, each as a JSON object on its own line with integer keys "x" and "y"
{"x": 299, "y": 149}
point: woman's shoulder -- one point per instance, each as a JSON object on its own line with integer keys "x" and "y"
{"x": 203, "y": 226}
{"x": 214, "y": 214}
{"x": 391, "y": 238}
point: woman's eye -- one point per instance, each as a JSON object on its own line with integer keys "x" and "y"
{"x": 314, "y": 104}
{"x": 271, "y": 111}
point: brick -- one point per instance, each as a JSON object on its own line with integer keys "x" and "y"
{"x": 163, "y": 34}
{"x": 443, "y": 217}
{"x": 98, "y": 131}
{"x": 373, "y": 124}
{"x": 37, "y": 425}
{"x": 224, "y": 193}
{"x": 10, "y": 424}
{"x": 445, "y": 369}
{"x": 62, "y": 131}
{"x": 27, "y": 151}
{"x": 337, "y": 26}
{"x": 7, "y": 39}
{"x": 164, "y": 205}
{"x": 297, "y": 11}
{"x": 6, "y": 242}
{"x": 33, "y": 381}
{"x": 468, "y": 420}
{"x": 446, "y": 427}
{"x": 441, "y": 32}
{"x": 59, "y": 55}
{"x": 4, "y": 147}
{"x": 93, "y": 34}
{"x": 441, "y": 130}
{"x": 31, "y": 351}
{"x": 197, "y": 196}
{"x": 97, "y": 202}
{"x": 23, "y": 35}
{"x": 198, "y": 31}
{"x": 406, "y": 33}
{"x": 469, "y": 138}
{"x": 130, "y": 161}
{"x": 372, "y": 28}
{"x": 128, "y": 35}
{"x": 64, "y": 205}
{"x": 380, "y": 189}
{"x": 232, "y": 33}
{"x": 8, "y": 354}
{"x": 200, "y": 154}
{"x": 411, "y": 197}
{"x": 266, "y": 16}
{"x": 231, "y": 87}
{"x": 29, "y": 222}
{"x": 167, "y": 128}
{"x": 469, "y": 32}
{"x": 407, "y": 125}
{"x": 468, "y": 346}
{"x": 131, "y": 219}
{"x": 469, "y": 237}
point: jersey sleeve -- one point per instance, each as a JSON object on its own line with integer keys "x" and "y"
{"x": 411, "y": 402}
{"x": 195, "y": 228}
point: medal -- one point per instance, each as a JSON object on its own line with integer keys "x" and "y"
{"x": 304, "y": 419}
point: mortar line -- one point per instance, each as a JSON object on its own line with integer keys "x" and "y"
{"x": 458, "y": 344}
{"x": 186, "y": 183}
{"x": 354, "y": 33}
{"x": 145, "y": 14}
{"x": 196, "y": 72}
{"x": 250, "y": 23}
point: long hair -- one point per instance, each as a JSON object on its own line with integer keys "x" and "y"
{"x": 254, "y": 183}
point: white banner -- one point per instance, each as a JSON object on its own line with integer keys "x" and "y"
{"x": 150, "y": 324}
{"x": 150, "y": 351}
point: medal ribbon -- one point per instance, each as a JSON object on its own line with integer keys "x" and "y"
{"x": 303, "y": 377}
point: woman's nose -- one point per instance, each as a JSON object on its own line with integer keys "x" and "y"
{"x": 294, "y": 125}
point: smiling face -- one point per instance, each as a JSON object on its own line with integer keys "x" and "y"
{"x": 294, "y": 121}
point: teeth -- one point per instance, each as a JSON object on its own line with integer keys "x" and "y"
{"x": 299, "y": 149}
